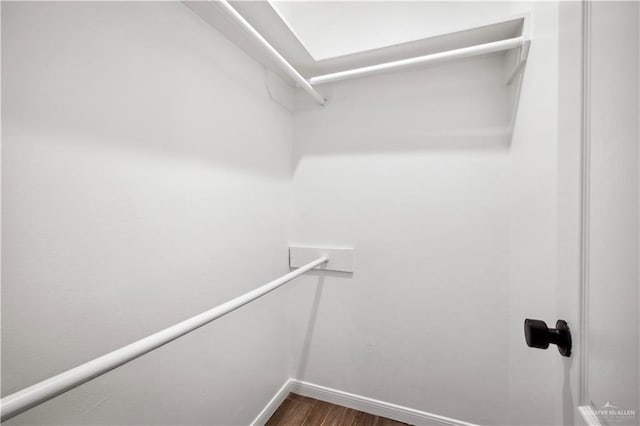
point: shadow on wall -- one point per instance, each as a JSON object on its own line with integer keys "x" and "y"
{"x": 310, "y": 318}
{"x": 127, "y": 78}
{"x": 311, "y": 326}
{"x": 568, "y": 402}
{"x": 458, "y": 105}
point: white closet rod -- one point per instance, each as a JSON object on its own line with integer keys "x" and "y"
{"x": 286, "y": 66}
{"x": 23, "y": 400}
{"x": 495, "y": 46}
{"x": 307, "y": 85}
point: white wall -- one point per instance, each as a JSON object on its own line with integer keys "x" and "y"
{"x": 454, "y": 230}
{"x": 413, "y": 172}
{"x": 145, "y": 178}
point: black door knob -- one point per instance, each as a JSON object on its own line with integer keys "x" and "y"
{"x": 538, "y": 335}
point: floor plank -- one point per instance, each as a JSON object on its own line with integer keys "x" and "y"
{"x": 349, "y": 418}
{"x": 383, "y": 421}
{"x": 290, "y": 413}
{"x": 301, "y": 398}
{"x": 280, "y": 413}
{"x": 317, "y": 414}
{"x": 334, "y": 416}
{"x": 298, "y": 410}
{"x": 364, "y": 419}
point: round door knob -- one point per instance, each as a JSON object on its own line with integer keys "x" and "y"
{"x": 538, "y": 335}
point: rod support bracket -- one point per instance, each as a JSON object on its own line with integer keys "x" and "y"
{"x": 340, "y": 259}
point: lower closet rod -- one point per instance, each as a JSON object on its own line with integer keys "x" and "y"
{"x": 23, "y": 400}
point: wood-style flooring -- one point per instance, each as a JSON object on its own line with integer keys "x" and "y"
{"x": 299, "y": 410}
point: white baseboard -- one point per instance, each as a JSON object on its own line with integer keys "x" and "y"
{"x": 355, "y": 402}
{"x": 273, "y": 404}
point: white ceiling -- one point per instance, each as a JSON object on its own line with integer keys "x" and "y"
{"x": 329, "y": 29}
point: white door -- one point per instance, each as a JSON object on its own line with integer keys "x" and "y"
{"x": 598, "y": 210}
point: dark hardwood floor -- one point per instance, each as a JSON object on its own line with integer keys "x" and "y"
{"x": 299, "y": 410}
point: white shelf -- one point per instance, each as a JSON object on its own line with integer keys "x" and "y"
{"x": 259, "y": 30}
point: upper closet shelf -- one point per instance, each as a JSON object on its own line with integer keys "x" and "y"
{"x": 260, "y": 30}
